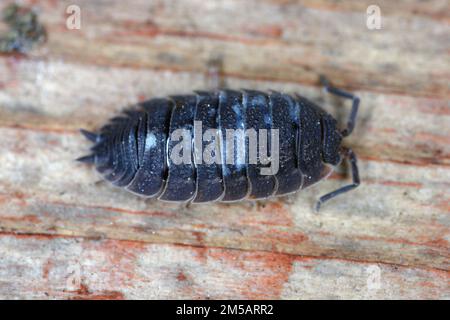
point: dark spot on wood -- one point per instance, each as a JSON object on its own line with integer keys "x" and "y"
{"x": 46, "y": 269}
{"x": 199, "y": 236}
{"x": 25, "y": 31}
{"x": 83, "y": 293}
{"x": 181, "y": 276}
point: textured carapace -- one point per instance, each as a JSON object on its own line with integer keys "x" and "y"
{"x": 132, "y": 150}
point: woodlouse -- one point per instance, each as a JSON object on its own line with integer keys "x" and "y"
{"x": 132, "y": 150}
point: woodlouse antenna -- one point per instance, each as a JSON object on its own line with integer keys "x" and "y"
{"x": 341, "y": 93}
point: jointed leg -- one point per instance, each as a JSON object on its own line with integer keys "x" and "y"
{"x": 214, "y": 77}
{"x": 344, "y": 94}
{"x": 348, "y": 153}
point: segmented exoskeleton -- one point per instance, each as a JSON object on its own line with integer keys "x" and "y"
{"x": 133, "y": 150}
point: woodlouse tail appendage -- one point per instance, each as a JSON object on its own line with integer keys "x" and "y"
{"x": 93, "y": 137}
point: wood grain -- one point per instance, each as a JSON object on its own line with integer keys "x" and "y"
{"x": 56, "y": 217}
{"x": 78, "y": 268}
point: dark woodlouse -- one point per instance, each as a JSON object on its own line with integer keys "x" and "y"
{"x": 131, "y": 151}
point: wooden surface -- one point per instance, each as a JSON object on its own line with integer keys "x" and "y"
{"x": 65, "y": 235}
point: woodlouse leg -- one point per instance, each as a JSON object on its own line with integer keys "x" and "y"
{"x": 185, "y": 207}
{"x": 214, "y": 77}
{"x": 350, "y": 155}
{"x": 341, "y": 93}
{"x": 99, "y": 182}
